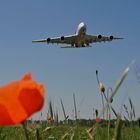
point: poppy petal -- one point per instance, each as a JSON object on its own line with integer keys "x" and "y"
{"x": 20, "y": 99}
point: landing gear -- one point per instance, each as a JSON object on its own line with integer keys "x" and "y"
{"x": 76, "y": 45}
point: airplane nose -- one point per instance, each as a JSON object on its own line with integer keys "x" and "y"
{"x": 82, "y": 24}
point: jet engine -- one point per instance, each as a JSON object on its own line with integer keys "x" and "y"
{"x": 48, "y": 40}
{"x": 111, "y": 37}
{"x": 62, "y": 38}
{"x": 99, "y": 36}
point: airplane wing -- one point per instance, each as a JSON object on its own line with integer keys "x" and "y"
{"x": 73, "y": 39}
{"x": 63, "y": 39}
{"x": 99, "y": 38}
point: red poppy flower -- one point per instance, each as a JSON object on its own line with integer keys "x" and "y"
{"x": 19, "y": 100}
{"x": 98, "y": 120}
{"x": 49, "y": 117}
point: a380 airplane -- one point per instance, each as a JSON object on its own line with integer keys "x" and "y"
{"x": 80, "y": 39}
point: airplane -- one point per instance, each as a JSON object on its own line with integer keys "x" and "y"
{"x": 80, "y": 39}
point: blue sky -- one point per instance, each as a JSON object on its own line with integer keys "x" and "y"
{"x": 68, "y": 71}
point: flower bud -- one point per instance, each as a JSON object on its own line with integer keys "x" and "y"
{"x": 101, "y": 88}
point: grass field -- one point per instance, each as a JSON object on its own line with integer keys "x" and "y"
{"x": 44, "y": 131}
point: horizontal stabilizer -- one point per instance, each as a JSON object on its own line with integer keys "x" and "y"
{"x": 68, "y": 47}
{"x": 38, "y": 41}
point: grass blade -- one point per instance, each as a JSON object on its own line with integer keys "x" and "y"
{"x": 51, "y": 109}
{"x": 75, "y": 106}
{"x": 120, "y": 81}
{"x": 118, "y": 130}
{"x": 63, "y": 109}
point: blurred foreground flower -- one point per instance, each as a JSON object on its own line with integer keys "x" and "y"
{"x": 19, "y": 100}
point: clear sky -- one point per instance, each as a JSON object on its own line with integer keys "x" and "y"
{"x": 68, "y": 71}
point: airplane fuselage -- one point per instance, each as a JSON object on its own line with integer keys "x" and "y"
{"x": 81, "y": 32}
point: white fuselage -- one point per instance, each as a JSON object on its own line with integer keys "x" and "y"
{"x": 81, "y": 32}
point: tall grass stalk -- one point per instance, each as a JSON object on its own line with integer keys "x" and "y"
{"x": 130, "y": 114}
{"x": 75, "y": 108}
{"x": 103, "y": 105}
{"x": 25, "y": 130}
{"x": 56, "y": 117}
{"x": 51, "y": 109}
{"x": 126, "y": 110}
{"x": 63, "y": 109}
{"x": 108, "y": 114}
{"x": 37, "y": 134}
{"x": 99, "y": 84}
{"x": 118, "y": 130}
{"x": 132, "y": 110}
{"x": 109, "y": 105}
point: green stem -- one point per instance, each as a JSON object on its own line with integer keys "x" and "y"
{"x": 103, "y": 105}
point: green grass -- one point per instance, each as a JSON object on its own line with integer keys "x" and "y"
{"x": 67, "y": 132}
